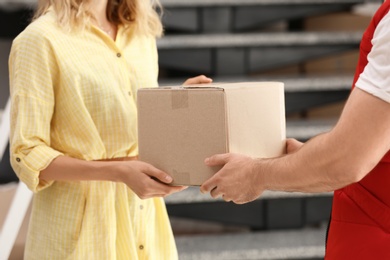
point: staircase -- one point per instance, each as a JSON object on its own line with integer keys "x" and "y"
{"x": 250, "y": 40}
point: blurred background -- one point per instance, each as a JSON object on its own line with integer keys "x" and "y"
{"x": 310, "y": 45}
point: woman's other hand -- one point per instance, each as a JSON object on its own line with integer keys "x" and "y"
{"x": 201, "y": 79}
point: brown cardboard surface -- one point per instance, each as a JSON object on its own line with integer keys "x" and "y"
{"x": 179, "y": 127}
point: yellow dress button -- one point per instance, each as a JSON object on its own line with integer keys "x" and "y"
{"x": 119, "y": 55}
{"x": 141, "y": 207}
{"x": 18, "y": 159}
{"x": 141, "y": 247}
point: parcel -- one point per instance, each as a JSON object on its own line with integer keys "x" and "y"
{"x": 180, "y": 126}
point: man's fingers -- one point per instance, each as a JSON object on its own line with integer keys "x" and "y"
{"x": 215, "y": 193}
{"x": 218, "y": 159}
{"x": 215, "y": 160}
{"x": 208, "y": 186}
{"x": 226, "y": 198}
{"x": 293, "y": 145}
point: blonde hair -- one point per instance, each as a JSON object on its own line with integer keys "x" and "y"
{"x": 140, "y": 14}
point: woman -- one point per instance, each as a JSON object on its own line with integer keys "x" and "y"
{"x": 74, "y": 73}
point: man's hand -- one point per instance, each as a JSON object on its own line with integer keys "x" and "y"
{"x": 237, "y": 181}
{"x": 293, "y": 145}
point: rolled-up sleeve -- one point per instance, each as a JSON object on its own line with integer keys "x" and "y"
{"x": 33, "y": 73}
{"x": 375, "y": 77}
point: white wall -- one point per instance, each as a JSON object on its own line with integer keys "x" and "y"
{"x": 5, "y": 45}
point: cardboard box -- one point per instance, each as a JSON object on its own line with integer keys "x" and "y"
{"x": 179, "y": 127}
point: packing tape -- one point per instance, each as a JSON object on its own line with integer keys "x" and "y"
{"x": 179, "y": 98}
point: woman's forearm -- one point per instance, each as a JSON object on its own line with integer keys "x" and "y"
{"x": 65, "y": 168}
{"x": 143, "y": 179}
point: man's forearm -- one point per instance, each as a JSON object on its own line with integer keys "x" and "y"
{"x": 316, "y": 167}
{"x": 338, "y": 158}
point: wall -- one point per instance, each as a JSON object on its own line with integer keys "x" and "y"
{"x": 5, "y": 46}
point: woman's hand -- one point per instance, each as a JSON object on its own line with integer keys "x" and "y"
{"x": 201, "y": 79}
{"x": 146, "y": 180}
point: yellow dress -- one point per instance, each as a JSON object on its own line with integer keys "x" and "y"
{"x": 74, "y": 94}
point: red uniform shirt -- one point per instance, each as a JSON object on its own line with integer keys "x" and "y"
{"x": 360, "y": 222}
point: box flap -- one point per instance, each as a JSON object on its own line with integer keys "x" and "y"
{"x": 256, "y": 118}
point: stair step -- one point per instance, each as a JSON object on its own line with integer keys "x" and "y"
{"x": 233, "y": 16}
{"x": 308, "y": 243}
{"x": 289, "y": 39}
{"x": 246, "y": 53}
{"x": 302, "y": 129}
{"x": 16, "y": 4}
{"x": 291, "y": 84}
{"x": 201, "y": 3}
{"x": 314, "y": 83}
